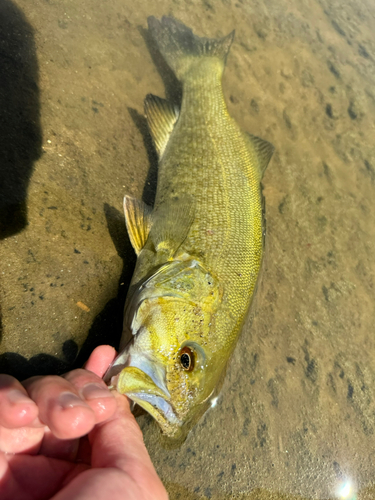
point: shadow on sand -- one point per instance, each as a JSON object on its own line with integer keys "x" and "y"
{"x": 20, "y": 130}
{"x": 20, "y": 146}
{"x": 106, "y": 328}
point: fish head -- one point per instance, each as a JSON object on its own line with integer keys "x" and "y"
{"x": 171, "y": 367}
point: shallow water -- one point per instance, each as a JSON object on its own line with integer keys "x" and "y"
{"x": 296, "y": 415}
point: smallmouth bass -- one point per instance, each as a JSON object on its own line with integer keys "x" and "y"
{"x": 199, "y": 249}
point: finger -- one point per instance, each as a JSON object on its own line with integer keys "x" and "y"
{"x": 118, "y": 443}
{"x": 16, "y": 408}
{"x": 120, "y": 463}
{"x": 104, "y": 484}
{"x": 21, "y": 440}
{"x": 60, "y": 406}
{"x": 100, "y": 359}
{"x": 94, "y": 391}
{"x": 24, "y": 477}
{"x": 53, "y": 447}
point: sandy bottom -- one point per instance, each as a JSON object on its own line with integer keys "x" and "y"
{"x": 296, "y": 416}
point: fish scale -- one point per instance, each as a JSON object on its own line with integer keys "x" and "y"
{"x": 227, "y": 197}
{"x": 200, "y": 248}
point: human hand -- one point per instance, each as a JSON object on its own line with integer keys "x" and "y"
{"x": 70, "y": 438}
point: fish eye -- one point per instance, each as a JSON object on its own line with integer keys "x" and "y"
{"x": 187, "y": 358}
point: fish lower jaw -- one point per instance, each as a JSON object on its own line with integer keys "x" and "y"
{"x": 161, "y": 410}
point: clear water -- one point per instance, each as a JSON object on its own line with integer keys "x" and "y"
{"x": 296, "y": 416}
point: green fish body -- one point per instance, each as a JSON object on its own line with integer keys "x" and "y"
{"x": 200, "y": 247}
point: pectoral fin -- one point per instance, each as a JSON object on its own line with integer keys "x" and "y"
{"x": 263, "y": 150}
{"x": 161, "y": 118}
{"x": 171, "y": 222}
{"x": 138, "y": 222}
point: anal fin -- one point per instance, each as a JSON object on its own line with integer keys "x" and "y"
{"x": 161, "y": 118}
{"x": 138, "y": 221}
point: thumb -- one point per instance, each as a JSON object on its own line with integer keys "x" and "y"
{"x": 100, "y": 359}
{"x": 118, "y": 443}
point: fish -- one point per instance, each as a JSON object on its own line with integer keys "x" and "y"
{"x": 199, "y": 248}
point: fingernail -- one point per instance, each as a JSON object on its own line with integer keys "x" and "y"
{"x": 18, "y": 397}
{"x": 70, "y": 400}
{"x": 94, "y": 391}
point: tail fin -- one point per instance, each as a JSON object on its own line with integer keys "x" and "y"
{"x": 180, "y": 47}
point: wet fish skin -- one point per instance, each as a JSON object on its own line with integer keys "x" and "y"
{"x": 200, "y": 248}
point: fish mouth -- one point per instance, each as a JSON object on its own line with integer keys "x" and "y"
{"x": 152, "y": 397}
{"x": 142, "y": 379}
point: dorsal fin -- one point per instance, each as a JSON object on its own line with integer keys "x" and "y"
{"x": 138, "y": 221}
{"x": 263, "y": 149}
{"x": 161, "y": 118}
